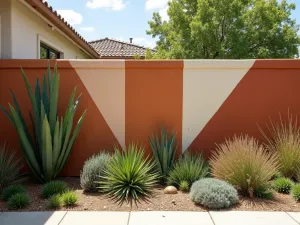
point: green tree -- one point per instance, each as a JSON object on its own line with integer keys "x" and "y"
{"x": 212, "y": 29}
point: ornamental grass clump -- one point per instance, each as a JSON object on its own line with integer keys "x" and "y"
{"x": 93, "y": 170}
{"x": 164, "y": 148}
{"x": 295, "y": 192}
{"x": 244, "y": 163}
{"x": 10, "y": 167}
{"x": 189, "y": 168}
{"x": 283, "y": 139}
{"x": 69, "y": 198}
{"x": 213, "y": 193}
{"x": 55, "y": 202}
{"x": 48, "y": 150}
{"x": 18, "y": 201}
{"x": 53, "y": 188}
{"x": 283, "y": 185}
{"x": 12, "y": 190}
{"x": 129, "y": 176}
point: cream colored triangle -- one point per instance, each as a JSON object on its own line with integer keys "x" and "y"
{"x": 206, "y": 85}
{"x": 105, "y": 82}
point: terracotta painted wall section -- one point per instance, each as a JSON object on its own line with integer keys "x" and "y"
{"x": 203, "y": 101}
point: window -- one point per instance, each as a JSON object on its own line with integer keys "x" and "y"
{"x": 47, "y": 52}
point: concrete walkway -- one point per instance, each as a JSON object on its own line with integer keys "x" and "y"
{"x": 150, "y": 218}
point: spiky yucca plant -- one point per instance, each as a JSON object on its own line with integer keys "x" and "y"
{"x": 10, "y": 167}
{"x": 244, "y": 163}
{"x": 283, "y": 139}
{"x": 164, "y": 149}
{"x": 48, "y": 151}
{"x": 129, "y": 176}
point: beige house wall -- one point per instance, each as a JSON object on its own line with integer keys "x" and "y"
{"x": 24, "y": 29}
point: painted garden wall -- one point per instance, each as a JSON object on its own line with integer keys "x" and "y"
{"x": 204, "y": 101}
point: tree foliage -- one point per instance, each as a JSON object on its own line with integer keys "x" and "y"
{"x": 213, "y": 29}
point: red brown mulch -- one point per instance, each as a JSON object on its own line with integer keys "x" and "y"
{"x": 160, "y": 202}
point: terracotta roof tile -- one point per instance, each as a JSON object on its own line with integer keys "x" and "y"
{"x": 113, "y": 48}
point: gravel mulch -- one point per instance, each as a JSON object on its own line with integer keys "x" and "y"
{"x": 160, "y": 202}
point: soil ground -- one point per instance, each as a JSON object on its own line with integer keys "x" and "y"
{"x": 159, "y": 202}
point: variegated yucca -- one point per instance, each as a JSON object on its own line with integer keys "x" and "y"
{"x": 48, "y": 151}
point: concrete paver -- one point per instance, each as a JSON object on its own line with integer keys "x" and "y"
{"x": 95, "y": 218}
{"x": 295, "y": 215}
{"x": 170, "y": 218}
{"x": 251, "y": 218}
{"x": 31, "y": 218}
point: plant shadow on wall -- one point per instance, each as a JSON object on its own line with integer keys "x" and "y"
{"x": 48, "y": 150}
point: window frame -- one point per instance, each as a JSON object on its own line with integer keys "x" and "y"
{"x": 49, "y": 45}
{"x": 49, "y": 50}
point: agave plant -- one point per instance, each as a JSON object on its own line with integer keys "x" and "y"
{"x": 164, "y": 150}
{"x": 47, "y": 152}
{"x": 10, "y": 167}
{"x": 129, "y": 176}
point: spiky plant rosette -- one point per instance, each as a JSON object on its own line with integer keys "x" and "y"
{"x": 10, "y": 167}
{"x": 47, "y": 151}
{"x": 129, "y": 176}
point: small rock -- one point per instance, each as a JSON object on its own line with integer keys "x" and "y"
{"x": 173, "y": 201}
{"x": 85, "y": 208}
{"x": 148, "y": 209}
{"x": 104, "y": 207}
{"x": 170, "y": 190}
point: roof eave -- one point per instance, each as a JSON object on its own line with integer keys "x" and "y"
{"x": 47, "y": 12}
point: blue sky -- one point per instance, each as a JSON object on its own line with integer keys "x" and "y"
{"x": 118, "y": 19}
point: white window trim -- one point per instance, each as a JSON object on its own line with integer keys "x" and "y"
{"x": 45, "y": 41}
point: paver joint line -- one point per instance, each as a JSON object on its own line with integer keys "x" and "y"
{"x": 211, "y": 218}
{"x": 128, "y": 221}
{"x": 292, "y": 217}
{"x": 62, "y": 218}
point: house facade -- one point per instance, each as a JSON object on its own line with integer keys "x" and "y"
{"x": 30, "y": 29}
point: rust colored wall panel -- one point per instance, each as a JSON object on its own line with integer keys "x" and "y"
{"x": 270, "y": 87}
{"x": 153, "y": 98}
{"x": 95, "y": 134}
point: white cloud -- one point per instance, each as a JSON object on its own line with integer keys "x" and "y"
{"x": 115, "y": 5}
{"x": 164, "y": 13}
{"x": 144, "y": 42}
{"x": 71, "y": 16}
{"x": 156, "y": 4}
{"x": 160, "y": 5}
{"x": 88, "y": 29}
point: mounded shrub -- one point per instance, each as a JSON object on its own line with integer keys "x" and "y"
{"x": 12, "y": 190}
{"x": 129, "y": 175}
{"x": 295, "y": 192}
{"x": 18, "y": 201}
{"x": 10, "y": 167}
{"x": 69, "y": 198}
{"x": 53, "y": 188}
{"x": 213, "y": 193}
{"x": 189, "y": 168}
{"x": 93, "y": 171}
{"x": 54, "y": 202}
{"x": 244, "y": 163}
{"x": 283, "y": 185}
{"x": 283, "y": 140}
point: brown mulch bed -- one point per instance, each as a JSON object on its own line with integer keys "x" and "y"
{"x": 160, "y": 202}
